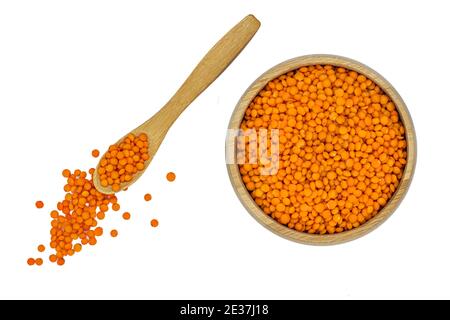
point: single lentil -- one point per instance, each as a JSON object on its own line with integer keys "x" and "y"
{"x": 126, "y": 216}
{"x": 95, "y": 153}
{"x": 171, "y": 176}
{"x": 154, "y": 223}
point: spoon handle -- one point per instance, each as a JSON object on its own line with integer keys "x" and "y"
{"x": 210, "y": 67}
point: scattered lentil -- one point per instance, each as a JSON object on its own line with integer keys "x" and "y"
{"x": 171, "y": 176}
{"x": 95, "y": 153}
{"x": 154, "y": 223}
{"x": 126, "y": 216}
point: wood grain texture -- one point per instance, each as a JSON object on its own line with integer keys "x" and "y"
{"x": 269, "y": 222}
{"x": 209, "y": 68}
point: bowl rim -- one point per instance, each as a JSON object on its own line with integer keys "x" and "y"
{"x": 268, "y": 222}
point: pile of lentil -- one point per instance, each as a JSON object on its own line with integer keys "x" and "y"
{"x": 342, "y": 149}
{"x": 74, "y": 221}
{"x": 123, "y": 160}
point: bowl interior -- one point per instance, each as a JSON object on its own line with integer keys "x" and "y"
{"x": 244, "y": 195}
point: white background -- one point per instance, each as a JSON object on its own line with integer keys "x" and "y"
{"x": 76, "y": 75}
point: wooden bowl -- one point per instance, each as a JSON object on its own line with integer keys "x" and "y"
{"x": 266, "y": 220}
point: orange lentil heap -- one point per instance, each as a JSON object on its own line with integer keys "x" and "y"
{"x": 342, "y": 149}
{"x": 74, "y": 223}
{"x": 123, "y": 160}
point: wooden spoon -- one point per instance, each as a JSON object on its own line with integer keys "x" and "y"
{"x": 209, "y": 68}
